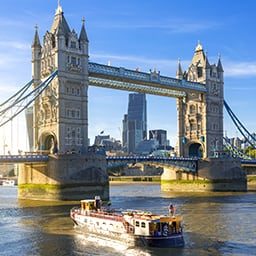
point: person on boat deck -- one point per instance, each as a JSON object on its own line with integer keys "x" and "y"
{"x": 97, "y": 203}
{"x": 172, "y": 209}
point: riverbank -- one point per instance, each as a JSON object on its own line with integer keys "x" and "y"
{"x": 134, "y": 179}
{"x": 251, "y": 181}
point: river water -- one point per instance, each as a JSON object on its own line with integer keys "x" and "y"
{"x": 214, "y": 223}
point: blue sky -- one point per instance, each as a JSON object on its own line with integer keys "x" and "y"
{"x": 144, "y": 34}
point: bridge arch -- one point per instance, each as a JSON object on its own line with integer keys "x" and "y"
{"x": 48, "y": 141}
{"x": 195, "y": 149}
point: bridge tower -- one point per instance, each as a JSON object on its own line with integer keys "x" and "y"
{"x": 200, "y": 116}
{"x": 60, "y": 120}
{"x": 60, "y": 114}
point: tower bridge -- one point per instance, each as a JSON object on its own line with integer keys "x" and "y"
{"x": 62, "y": 73}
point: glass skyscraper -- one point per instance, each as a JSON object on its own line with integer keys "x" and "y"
{"x": 135, "y": 122}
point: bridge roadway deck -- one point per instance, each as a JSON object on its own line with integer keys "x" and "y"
{"x": 43, "y": 158}
{"x": 34, "y": 158}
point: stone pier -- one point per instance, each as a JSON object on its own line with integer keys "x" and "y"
{"x": 214, "y": 174}
{"x": 65, "y": 177}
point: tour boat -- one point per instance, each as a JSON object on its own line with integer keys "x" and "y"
{"x": 8, "y": 183}
{"x": 133, "y": 227}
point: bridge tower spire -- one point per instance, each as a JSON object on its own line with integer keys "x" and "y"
{"x": 36, "y": 58}
{"x": 201, "y": 115}
{"x": 179, "y": 72}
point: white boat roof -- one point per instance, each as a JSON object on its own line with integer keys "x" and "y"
{"x": 87, "y": 200}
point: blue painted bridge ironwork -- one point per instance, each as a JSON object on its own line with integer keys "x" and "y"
{"x": 186, "y": 164}
{"x": 33, "y": 158}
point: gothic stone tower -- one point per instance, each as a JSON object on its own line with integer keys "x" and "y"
{"x": 200, "y": 115}
{"x": 60, "y": 121}
{"x": 60, "y": 114}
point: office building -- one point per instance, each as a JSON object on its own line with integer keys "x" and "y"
{"x": 135, "y": 122}
{"x": 160, "y": 136}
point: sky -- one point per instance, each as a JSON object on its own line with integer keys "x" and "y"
{"x": 136, "y": 34}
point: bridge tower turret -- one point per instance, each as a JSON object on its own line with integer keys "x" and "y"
{"x": 36, "y": 58}
{"x": 36, "y": 75}
{"x": 201, "y": 114}
{"x": 62, "y": 116}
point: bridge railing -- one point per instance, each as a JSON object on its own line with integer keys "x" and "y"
{"x": 38, "y": 152}
{"x": 23, "y": 158}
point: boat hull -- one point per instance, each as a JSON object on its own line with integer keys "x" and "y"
{"x": 172, "y": 241}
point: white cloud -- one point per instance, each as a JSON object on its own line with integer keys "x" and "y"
{"x": 5, "y": 22}
{"x": 15, "y": 45}
{"x": 238, "y": 69}
{"x": 171, "y": 26}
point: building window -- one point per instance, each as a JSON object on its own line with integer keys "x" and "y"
{"x": 68, "y": 137}
{"x": 193, "y": 126}
{"x": 143, "y": 224}
{"x": 73, "y": 91}
{"x": 78, "y": 91}
{"x": 199, "y": 72}
{"x": 73, "y": 44}
{"x": 192, "y": 109}
{"x": 78, "y": 61}
{"x": 137, "y": 224}
{"x": 68, "y": 59}
{"x": 73, "y": 61}
{"x": 215, "y": 126}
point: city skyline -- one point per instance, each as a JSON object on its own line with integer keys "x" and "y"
{"x": 127, "y": 35}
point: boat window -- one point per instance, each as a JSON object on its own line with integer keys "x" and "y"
{"x": 137, "y": 224}
{"x": 143, "y": 225}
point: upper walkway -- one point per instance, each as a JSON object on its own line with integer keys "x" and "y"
{"x": 132, "y": 80}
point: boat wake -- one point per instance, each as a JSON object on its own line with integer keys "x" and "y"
{"x": 105, "y": 246}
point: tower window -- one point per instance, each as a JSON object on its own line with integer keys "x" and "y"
{"x": 193, "y": 126}
{"x": 73, "y": 44}
{"x": 192, "y": 109}
{"x": 73, "y": 60}
{"x": 199, "y": 72}
{"x": 53, "y": 42}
